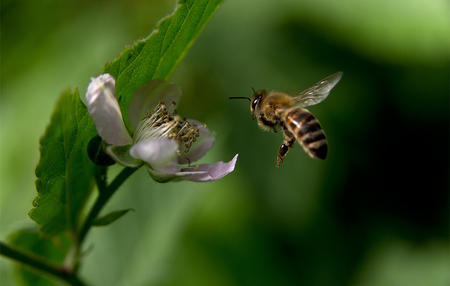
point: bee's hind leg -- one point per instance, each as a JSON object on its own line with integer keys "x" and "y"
{"x": 288, "y": 143}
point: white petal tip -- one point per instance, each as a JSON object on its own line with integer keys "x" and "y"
{"x": 105, "y": 111}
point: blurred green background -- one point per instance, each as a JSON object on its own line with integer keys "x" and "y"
{"x": 376, "y": 212}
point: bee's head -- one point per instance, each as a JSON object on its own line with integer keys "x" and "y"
{"x": 255, "y": 101}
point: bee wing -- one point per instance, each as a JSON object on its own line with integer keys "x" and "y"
{"x": 318, "y": 92}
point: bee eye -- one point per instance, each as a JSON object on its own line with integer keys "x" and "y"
{"x": 255, "y": 102}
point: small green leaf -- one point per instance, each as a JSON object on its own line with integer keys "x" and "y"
{"x": 65, "y": 174}
{"x": 53, "y": 250}
{"x": 110, "y": 218}
{"x": 158, "y": 54}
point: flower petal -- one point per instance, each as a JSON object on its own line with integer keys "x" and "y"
{"x": 206, "y": 173}
{"x": 149, "y": 95}
{"x": 204, "y": 142}
{"x": 199, "y": 173}
{"x": 141, "y": 101}
{"x": 105, "y": 111}
{"x": 121, "y": 154}
{"x": 165, "y": 173}
{"x": 157, "y": 152}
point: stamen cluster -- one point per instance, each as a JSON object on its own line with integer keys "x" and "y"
{"x": 163, "y": 123}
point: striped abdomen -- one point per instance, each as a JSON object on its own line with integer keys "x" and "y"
{"x": 307, "y": 131}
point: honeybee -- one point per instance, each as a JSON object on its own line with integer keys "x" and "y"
{"x": 277, "y": 109}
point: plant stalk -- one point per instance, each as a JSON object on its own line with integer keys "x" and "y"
{"x": 105, "y": 193}
{"x": 35, "y": 262}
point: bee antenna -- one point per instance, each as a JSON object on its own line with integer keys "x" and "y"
{"x": 253, "y": 89}
{"x": 240, "y": 97}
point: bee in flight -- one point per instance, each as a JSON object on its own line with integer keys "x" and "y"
{"x": 273, "y": 109}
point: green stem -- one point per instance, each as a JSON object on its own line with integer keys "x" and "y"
{"x": 105, "y": 194}
{"x": 100, "y": 177}
{"x": 36, "y": 262}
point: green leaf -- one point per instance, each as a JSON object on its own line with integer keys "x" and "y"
{"x": 158, "y": 54}
{"x": 53, "y": 250}
{"x": 110, "y": 218}
{"x": 65, "y": 175}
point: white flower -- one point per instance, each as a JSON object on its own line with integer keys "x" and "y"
{"x": 162, "y": 140}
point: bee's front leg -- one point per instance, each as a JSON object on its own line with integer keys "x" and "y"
{"x": 289, "y": 140}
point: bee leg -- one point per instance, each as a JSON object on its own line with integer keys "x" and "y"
{"x": 289, "y": 141}
{"x": 281, "y": 153}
